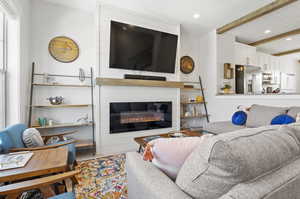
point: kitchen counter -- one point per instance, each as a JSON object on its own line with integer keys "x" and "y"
{"x": 255, "y": 94}
{"x": 259, "y": 96}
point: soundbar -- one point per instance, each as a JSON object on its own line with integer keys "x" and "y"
{"x": 144, "y": 77}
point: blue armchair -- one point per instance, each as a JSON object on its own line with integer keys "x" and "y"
{"x": 11, "y": 141}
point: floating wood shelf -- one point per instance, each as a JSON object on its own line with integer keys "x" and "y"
{"x": 192, "y": 117}
{"x": 62, "y": 126}
{"x": 62, "y": 106}
{"x": 63, "y": 85}
{"x": 136, "y": 82}
{"x": 84, "y": 144}
{"x": 192, "y": 102}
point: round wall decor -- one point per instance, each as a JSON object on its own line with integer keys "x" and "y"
{"x": 187, "y": 64}
{"x": 63, "y": 49}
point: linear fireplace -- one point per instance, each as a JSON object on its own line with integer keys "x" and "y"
{"x": 138, "y": 116}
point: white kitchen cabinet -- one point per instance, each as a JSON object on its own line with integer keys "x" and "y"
{"x": 268, "y": 63}
{"x": 288, "y": 65}
{"x": 262, "y": 61}
{"x": 245, "y": 54}
{"x": 288, "y": 83}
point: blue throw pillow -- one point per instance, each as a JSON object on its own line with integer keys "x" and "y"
{"x": 239, "y": 118}
{"x": 282, "y": 119}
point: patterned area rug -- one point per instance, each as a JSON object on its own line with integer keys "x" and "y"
{"x": 103, "y": 178}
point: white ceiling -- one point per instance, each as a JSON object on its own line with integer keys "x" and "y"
{"x": 280, "y": 21}
{"x": 87, "y": 5}
{"x": 213, "y": 13}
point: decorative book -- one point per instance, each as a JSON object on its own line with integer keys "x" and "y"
{"x": 14, "y": 160}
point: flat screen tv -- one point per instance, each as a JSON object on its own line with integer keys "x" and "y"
{"x": 137, "y": 48}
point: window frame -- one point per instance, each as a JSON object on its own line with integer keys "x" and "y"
{"x": 3, "y": 73}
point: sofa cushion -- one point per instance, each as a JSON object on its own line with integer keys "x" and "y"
{"x": 262, "y": 115}
{"x": 293, "y": 111}
{"x": 281, "y": 184}
{"x": 221, "y": 127}
{"x": 226, "y": 160}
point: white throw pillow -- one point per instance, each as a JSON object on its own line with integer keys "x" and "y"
{"x": 32, "y": 138}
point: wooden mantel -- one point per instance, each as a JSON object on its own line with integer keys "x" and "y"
{"x": 137, "y": 82}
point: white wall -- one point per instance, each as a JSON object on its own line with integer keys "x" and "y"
{"x": 51, "y": 20}
{"x": 190, "y": 46}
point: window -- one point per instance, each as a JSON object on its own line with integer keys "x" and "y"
{"x": 3, "y": 70}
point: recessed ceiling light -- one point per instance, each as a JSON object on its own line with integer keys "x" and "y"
{"x": 288, "y": 39}
{"x": 196, "y": 16}
{"x": 267, "y": 31}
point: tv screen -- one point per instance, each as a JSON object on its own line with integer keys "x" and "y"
{"x": 137, "y": 48}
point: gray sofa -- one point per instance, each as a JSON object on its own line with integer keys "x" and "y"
{"x": 251, "y": 163}
{"x": 258, "y": 116}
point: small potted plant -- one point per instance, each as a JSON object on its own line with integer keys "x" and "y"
{"x": 226, "y": 89}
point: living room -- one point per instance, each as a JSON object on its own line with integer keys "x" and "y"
{"x": 110, "y": 99}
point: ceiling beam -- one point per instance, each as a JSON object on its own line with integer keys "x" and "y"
{"x": 287, "y": 52}
{"x": 277, "y": 4}
{"x": 276, "y": 37}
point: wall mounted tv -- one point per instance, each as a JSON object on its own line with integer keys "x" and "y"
{"x": 137, "y": 48}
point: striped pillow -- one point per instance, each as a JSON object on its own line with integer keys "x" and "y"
{"x": 32, "y": 138}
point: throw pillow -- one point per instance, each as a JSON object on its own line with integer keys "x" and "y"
{"x": 32, "y": 138}
{"x": 239, "y": 118}
{"x": 169, "y": 154}
{"x": 283, "y": 119}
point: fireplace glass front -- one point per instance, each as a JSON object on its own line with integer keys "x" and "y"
{"x": 138, "y": 116}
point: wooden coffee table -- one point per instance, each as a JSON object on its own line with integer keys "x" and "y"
{"x": 43, "y": 162}
{"x": 143, "y": 143}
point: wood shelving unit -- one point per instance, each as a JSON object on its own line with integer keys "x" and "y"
{"x": 62, "y": 85}
{"x": 80, "y": 143}
{"x": 66, "y": 125}
{"x": 193, "y": 117}
{"x": 59, "y": 75}
{"x": 192, "y": 102}
{"x": 137, "y": 82}
{"x": 84, "y": 144}
{"x": 191, "y": 89}
{"x": 62, "y": 106}
{"x": 186, "y": 105}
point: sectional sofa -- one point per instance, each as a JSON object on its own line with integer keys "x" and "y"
{"x": 249, "y": 163}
